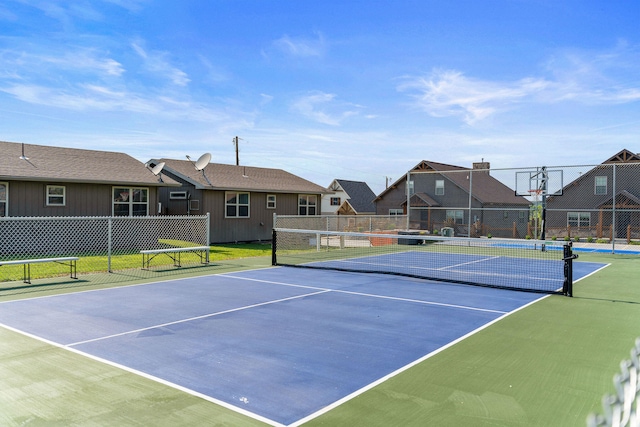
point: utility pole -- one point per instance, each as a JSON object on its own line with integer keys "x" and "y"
{"x": 236, "y": 141}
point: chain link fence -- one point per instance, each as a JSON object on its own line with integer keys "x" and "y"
{"x": 107, "y": 247}
{"x": 594, "y": 206}
{"x": 356, "y": 223}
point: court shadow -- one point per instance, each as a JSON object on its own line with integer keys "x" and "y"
{"x": 36, "y": 286}
{"x": 607, "y": 299}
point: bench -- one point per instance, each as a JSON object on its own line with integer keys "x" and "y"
{"x": 174, "y": 254}
{"x": 26, "y": 263}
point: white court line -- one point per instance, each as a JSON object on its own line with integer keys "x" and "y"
{"x": 143, "y": 374}
{"x": 406, "y": 367}
{"x": 204, "y": 316}
{"x": 464, "y": 307}
{"x": 467, "y": 263}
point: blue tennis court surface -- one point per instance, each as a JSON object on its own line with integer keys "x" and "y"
{"x": 279, "y": 344}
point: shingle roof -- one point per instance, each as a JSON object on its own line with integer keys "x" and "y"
{"x": 485, "y": 188}
{"x": 231, "y": 177}
{"x": 58, "y": 164}
{"x": 422, "y": 200}
{"x": 360, "y": 195}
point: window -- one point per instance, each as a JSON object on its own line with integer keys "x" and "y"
{"x": 178, "y": 195}
{"x": 395, "y": 212}
{"x": 307, "y": 204}
{"x": 4, "y": 194}
{"x": 237, "y": 205}
{"x": 439, "y": 187}
{"x": 271, "y": 201}
{"x": 601, "y": 185}
{"x": 335, "y": 201}
{"x": 456, "y": 216}
{"x": 579, "y": 219}
{"x": 411, "y": 188}
{"x": 130, "y": 201}
{"x": 56, "y": 195}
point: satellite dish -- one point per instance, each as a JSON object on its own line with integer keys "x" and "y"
{"x": 157, "y": 168}
{"x": 203, "y": 161}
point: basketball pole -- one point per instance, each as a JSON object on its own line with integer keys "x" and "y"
{"x": 544, "y": 203}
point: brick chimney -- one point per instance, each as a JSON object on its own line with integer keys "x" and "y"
{"x": 482, "y": 166}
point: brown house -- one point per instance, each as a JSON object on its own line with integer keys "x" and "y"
{"x": 443, "y": 195}
{"x": 38, "y": 180}
{"x": 240, "y": 199}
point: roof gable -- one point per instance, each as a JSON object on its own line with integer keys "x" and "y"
{"x": 624, "y": 156}
{"x": 59, "y": 164}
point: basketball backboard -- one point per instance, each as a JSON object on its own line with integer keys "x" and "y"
{"x": 539, "y": 182}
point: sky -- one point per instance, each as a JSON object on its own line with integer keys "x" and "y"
{"x": 347, "y": 89}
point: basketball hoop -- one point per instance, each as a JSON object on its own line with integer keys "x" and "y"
{"x": 536, "y": 192}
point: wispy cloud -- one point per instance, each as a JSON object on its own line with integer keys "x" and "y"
{"x": 323, "y": 108}
{"x": 301, "y": 47}
{"x": 596, "y": 77}
{"x": 75, "y": 61}
{"x": 583, "y": 77}
{"x": 451, "y": 93}
{"x": 158, "y": 63}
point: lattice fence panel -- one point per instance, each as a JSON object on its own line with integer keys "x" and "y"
{"x": 103, "y": 244}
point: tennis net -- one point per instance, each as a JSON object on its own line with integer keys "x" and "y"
{"x": 536, "y": 266}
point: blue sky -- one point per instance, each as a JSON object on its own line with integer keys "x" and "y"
{"x": 359, "y": 90}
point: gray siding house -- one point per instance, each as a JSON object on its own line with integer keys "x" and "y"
{"x": 586, "y": 207}
{"x": 240, "y": 199}
{"x": 440, "y": 197}
{"x": 38, "y": 180}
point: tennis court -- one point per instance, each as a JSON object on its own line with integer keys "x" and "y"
{"x": 280, "y": 345}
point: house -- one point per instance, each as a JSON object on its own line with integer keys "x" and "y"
{"x": 603, "y": 202}
{"x": 38, "y": 180}
{"x": 348, "y": 198}
{"x": 470, "y": 201}
{"x": 240, "y": 199}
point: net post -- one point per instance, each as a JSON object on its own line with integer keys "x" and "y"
{"x": 274, "y": 244}
{"x": 568, "y": 257}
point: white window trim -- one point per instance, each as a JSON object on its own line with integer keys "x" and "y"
{"x": 595, "y": 185}
{"x": 237, "y": 204}
{"x": 396, "y": 212}
{"x": 307, "y": 197}
{"x": 48, "y": 196}
{"x": 6, "y": 197}
{"x": 439, "y": 187}
{"x": 178, "y": 195}
{"x": 129, "y": 202}
{"x": 458, "y": 214}
{"x": 269, "y": 202}
{"x": 578, "y": 216}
